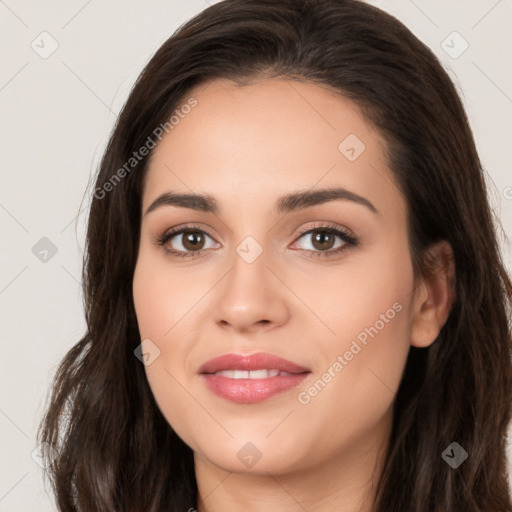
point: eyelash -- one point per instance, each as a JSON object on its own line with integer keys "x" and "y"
{"x": 347, "y": 237}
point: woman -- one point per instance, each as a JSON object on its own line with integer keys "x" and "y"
{"x": 294, "y": 293}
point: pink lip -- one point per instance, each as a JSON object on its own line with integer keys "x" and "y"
{"x": 251, "y": 390}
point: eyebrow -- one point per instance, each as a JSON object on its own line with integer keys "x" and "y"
{"x": 285, "y": 204}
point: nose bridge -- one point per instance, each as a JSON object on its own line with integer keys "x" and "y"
{"x": 249, "y": 276}
{"x": 251, "y": 293}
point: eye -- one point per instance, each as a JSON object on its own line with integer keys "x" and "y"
{"x": 190, "y": 241}
{"x": 323, "y": 241}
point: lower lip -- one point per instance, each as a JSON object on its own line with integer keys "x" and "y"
{"x": 248, "y": 391}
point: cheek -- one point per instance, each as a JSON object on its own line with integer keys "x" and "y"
{"x": 164, "y": 308}
{"x": 363, "y": 364}
{"x": 367, "y": 299}
{"x": 163, "y": 295}
{"x": 376, "y": 314}
{"x": 355, "y": 390}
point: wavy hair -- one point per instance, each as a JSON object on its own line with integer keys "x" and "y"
{"x": 115, "y": 450}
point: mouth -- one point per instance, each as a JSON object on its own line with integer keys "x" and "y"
{"x": 251, "y": 374}
{"x": 251, "y": 378}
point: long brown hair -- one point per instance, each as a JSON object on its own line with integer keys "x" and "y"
{"x": 115, "y": 450}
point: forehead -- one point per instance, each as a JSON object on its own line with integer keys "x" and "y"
{"x": 264, "y": 139}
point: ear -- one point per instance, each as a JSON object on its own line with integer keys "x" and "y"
{"x": 434, "y": 296}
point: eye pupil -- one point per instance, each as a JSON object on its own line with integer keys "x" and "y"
{"x": 321, "y": 237}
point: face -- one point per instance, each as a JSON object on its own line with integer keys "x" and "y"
{"x": 277, "y": 327}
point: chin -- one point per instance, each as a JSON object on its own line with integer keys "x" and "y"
{"x": 253, "y": 454}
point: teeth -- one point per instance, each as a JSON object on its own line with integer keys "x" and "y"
{"x": 263, "y": 374}
{"x": 252, "y": 374}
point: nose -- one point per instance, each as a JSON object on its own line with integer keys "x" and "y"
{"x": 252, "y": 297}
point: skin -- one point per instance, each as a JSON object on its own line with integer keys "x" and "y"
{"x": 247, "y": 146}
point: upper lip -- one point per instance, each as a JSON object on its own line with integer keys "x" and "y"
{"x": 258, "y": 361}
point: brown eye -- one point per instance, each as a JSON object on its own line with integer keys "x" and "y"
{"x": 187, "y": 241}
{"x": 192, "y": 240}
{"x": 322, "y": 239}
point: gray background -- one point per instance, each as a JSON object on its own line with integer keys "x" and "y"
{"x": 56, "y": 115}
